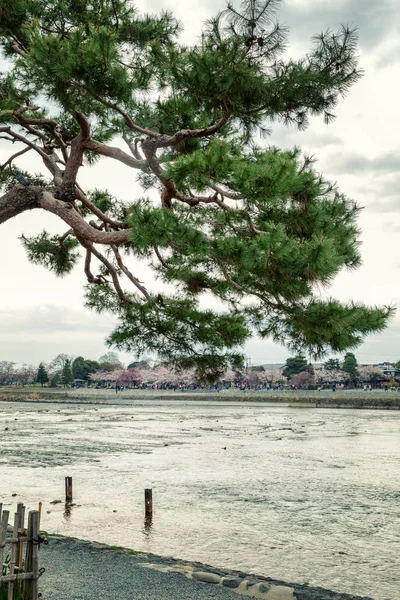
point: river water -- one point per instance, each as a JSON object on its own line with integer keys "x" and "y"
{"x": 298, "y": 494}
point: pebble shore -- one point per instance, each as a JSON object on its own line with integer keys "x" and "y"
{"x": 255, "y": 586}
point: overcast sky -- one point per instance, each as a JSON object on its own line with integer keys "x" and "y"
{"x": 41, "y": 316}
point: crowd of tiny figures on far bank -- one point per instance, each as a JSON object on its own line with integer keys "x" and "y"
{"x": 109, "y": 373}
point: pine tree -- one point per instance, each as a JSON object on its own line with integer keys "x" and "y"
{"x": 67, "y": 377}
{"x": 42, "y": 376}
{"x": 294, "y": 365}
{"x": 332, "y": 364}
{"x": 221, "y": 215}
{"x": 350, "y": 366}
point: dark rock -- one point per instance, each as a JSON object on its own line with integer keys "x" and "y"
{"x": 264, "y": 588}
{"x": 56, "y": 502}
{"x": 5, "y": 428}
{"x": 231, "y": 582}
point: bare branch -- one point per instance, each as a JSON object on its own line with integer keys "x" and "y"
{"x": 115, "y": 153}
{"x": 49, "y": 161}
{"x": 131, "y": 277}
{"x": 128, "y": 120}
{"x": 17, "y": 47}
{"x": 226, "y": 193}
{"x": 10, "y": 160}
{"x": 172, "y": 140}
{"x": 83, "y": 124}
{"x": 110, "y": 268}
{"x": 133, "y": 147}
{"x": 160, "y": 258}
{"x": 255, "y": 230}
{"x": 90, "y": 277}
{"x": 229, "y": 280}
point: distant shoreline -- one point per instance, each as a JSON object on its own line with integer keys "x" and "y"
{"x": 350, "y": 399}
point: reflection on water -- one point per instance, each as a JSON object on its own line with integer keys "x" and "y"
{"x": 68, "y": 510}
{"x": 297, "y": 494}
{"x": 148, "y": 524}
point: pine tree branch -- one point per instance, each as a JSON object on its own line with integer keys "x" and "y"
{"x": 75, "y": 158}
{"x": 82, "y": 229}
{"x": 166, "y": 141}
{"x": 171, "y": 191}
{"x": 96, "y": 211}
{"x": 21, "y": 198}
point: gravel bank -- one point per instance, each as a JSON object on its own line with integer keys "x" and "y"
{"x": 79, "y": 570}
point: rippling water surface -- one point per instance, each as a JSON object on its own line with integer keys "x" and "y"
{"x": 305, "y": 495}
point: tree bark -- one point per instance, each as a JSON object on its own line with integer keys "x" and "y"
{"x": 19, "y": 199}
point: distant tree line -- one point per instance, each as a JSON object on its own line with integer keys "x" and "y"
{"x": 64, "y": 370}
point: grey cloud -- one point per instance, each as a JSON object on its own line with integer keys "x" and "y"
{"x": 386, "y": 205}
{"x": 357, "y": 163}
{"x": 375, "y": 20}
{"x": 52, "y": 320}
{"x": 391, "y": 227}
{"x": 381, "y": 347}
{"x": 389, "y": 58}
{"x": 35, "y": 334}
{"x": 382, "y": 195}
{"x": 287, "y": 137}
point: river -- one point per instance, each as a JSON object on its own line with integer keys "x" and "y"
{"x": 298, "y": 494}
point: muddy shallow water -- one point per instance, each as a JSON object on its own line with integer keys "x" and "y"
{"x": 306, "y": 495}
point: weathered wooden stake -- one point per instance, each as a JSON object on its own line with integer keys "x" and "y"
{"x": 3, "y": 534}
{"x": 148, "y": 501}
{"x": 35, "y": 556}
{"x": 28, "y": 560}
{"x": 68, "y": 489}
{"x": 14, "y": 555}
{"x": 40, "y": 513}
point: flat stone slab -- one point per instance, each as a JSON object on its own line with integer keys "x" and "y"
{"x": 206, "y": 577}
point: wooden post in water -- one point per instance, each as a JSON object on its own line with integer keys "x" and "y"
{"x": 148, "y": 501}
{"x": 68, "y": 489}
{"x": 40, "y": 513}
